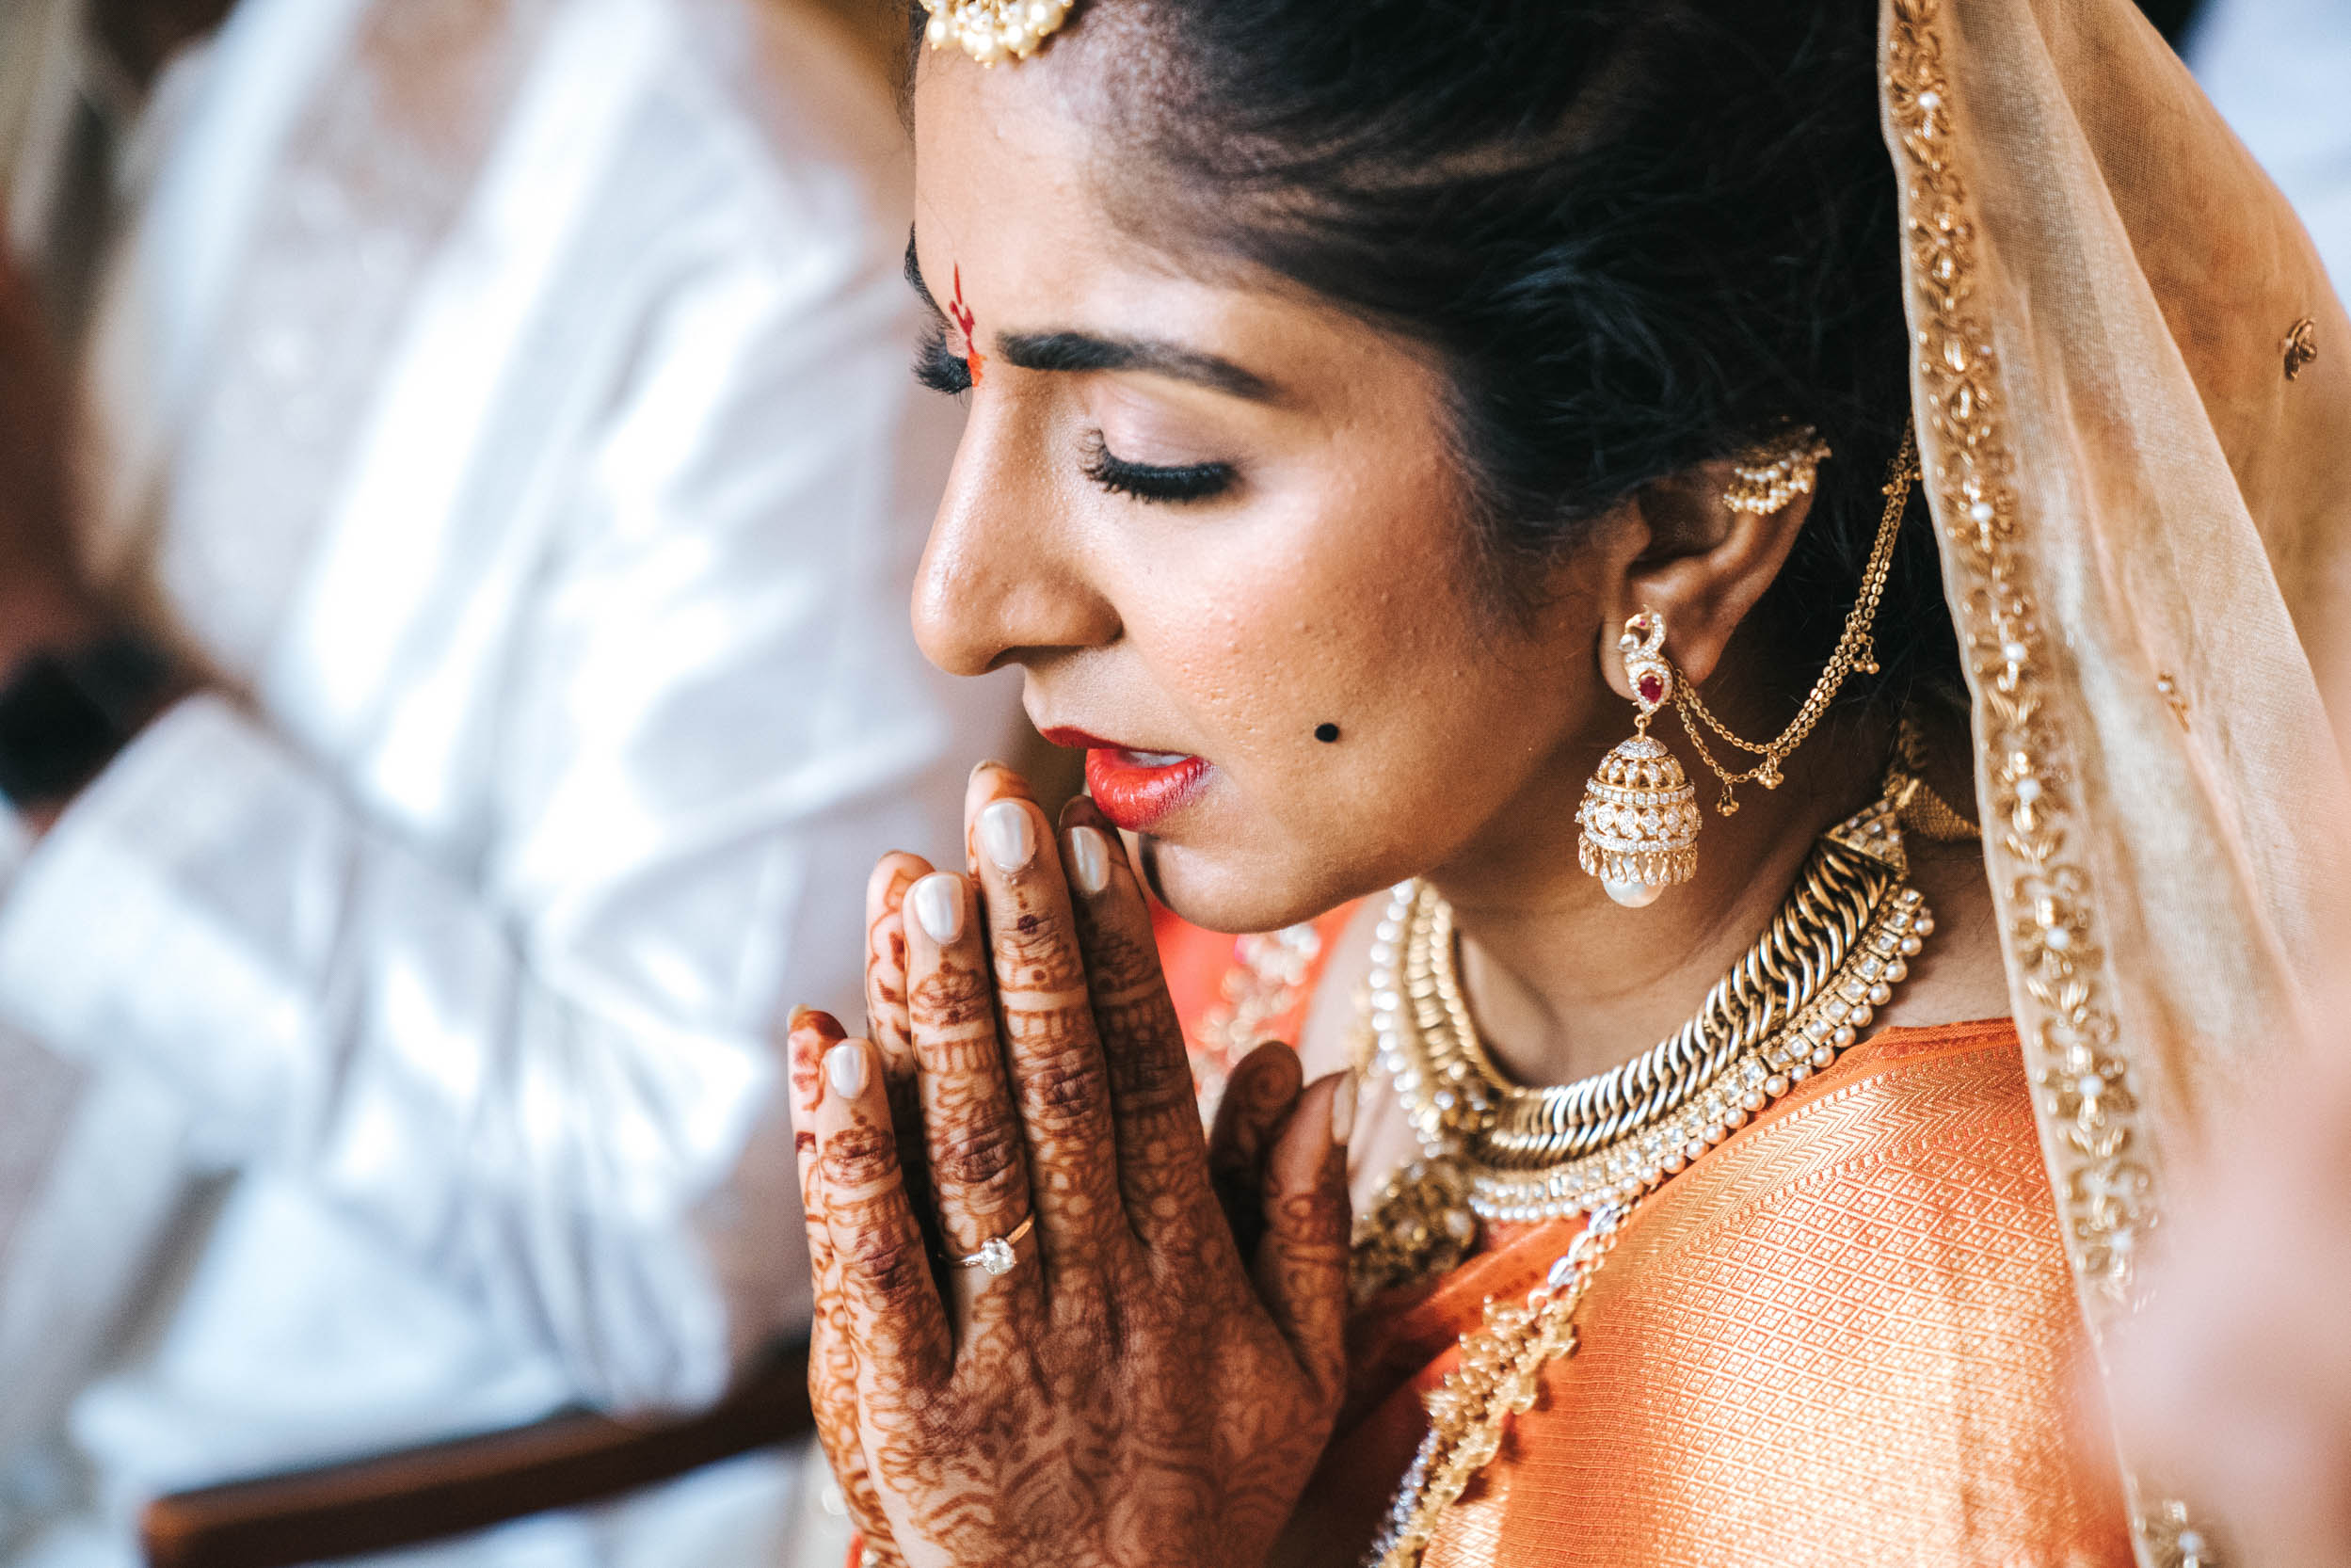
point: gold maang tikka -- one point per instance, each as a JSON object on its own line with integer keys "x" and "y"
{"x": 994, "y": 30}
{"x": 1640, "y": 817}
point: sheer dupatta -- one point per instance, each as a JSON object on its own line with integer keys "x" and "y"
{"x": 2142, "y": 482}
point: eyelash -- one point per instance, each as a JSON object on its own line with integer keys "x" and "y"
{"x": 942, "y": 370}
{"x": 1148, "y": 481}
{"x": 939, "y": 367}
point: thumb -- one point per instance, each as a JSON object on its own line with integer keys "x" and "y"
{"x": 1259, "y": 1099}
{"x": 1301, "y": 1267}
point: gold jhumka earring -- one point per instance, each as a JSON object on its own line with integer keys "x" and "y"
{"x": 1639, "y": 818}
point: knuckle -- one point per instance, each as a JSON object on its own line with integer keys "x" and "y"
{"x": 1121, "y": 962}
{"x": 1063, "y": 1094}
{"x": 892, "y": 1262}
{"x": 1042, "y": 1027}
{"x": 985, "y": 1156}
{"x": 1153, "y": 1073}
{"x": 950, "y": 998}
{"x": 860, "y": 1156}
{"x": 1307, "y": 1219}
{"x": 1089, "y": 1338}
{"x": 1037, "y": 952}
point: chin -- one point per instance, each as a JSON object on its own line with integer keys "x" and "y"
{"x": 1235, "y": 890}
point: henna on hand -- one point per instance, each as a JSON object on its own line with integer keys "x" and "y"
{"x": 886, "y": 1023}
{"x": 832, "y": 1354}
{"x": 1259, "y": 1095}
{"x": 1130, "y": 1391}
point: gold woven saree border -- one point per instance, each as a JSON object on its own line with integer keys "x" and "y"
{"x": 2081, "y": 1074}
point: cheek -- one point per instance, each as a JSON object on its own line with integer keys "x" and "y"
{"x": 1362, "y": 617}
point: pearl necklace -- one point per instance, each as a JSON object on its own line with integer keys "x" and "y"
{"x": 1838, "y": 948}
{"x": 1426, "y": 1218}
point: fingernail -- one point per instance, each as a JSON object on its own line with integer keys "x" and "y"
{"x": 1089, "y": 860}
{"x": 1006, "y": 834}
{"x": 938, "y": 904}
{"x": 1343, "y": 1110}
{"x": 845, "y": 1069}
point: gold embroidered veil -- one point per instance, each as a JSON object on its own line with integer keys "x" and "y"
{"x": 2141, "y": 479}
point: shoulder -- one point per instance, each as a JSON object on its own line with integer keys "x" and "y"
{"x": 1881, "y": 1267}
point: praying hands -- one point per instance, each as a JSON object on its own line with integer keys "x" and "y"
{"x": 1037, "y": 1338}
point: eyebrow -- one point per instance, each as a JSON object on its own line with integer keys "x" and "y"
{"x": 1085, "y": 351}
{"x": 1079, "y": 352}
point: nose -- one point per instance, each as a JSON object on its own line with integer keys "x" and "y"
{"x": 1001, "y": 582}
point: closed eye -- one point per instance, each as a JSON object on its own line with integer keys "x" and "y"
{"x": 1154, "y": 482}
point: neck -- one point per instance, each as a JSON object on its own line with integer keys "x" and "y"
{"x": 1563, "y": 980}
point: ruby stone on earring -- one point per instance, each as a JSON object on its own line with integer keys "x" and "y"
{"x": 1640, "y": 816}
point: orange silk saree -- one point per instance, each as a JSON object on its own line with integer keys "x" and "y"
{"x": 1847, "y": 1337}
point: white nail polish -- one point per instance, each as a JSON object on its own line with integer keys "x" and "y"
{"x": 1007, "y": 835}
{"x": 1089, "y": 860}
{"x": 1343, "y": 1110}
{"x": 845, "y": 1068}
{"x": 938, "y": 904}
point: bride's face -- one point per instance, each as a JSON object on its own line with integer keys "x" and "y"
{"x": 1219, "y": 526}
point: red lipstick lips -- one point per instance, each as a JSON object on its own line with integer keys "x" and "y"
{"x": 1134, "y": 789}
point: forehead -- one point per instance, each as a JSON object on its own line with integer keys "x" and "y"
{"x": 1013, "y": 194}
{"x": 1007, "y": 186}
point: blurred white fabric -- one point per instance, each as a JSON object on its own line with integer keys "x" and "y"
{"x": 508, "y": 401}
{"x": 2279, "y": 71}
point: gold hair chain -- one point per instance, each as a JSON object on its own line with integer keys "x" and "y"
{"x": 1856, "y": 650}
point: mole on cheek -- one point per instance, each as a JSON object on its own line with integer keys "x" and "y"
{"x": 1326, "y": 734}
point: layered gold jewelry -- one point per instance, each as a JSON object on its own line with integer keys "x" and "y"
{"x": 1638, "y": 822}
{"x": 1492, "y": 1150}
{"x": 1855, "y": 651}
{"x": 991, "y": 31}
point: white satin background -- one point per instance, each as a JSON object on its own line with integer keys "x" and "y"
{"x": 531, "y": 452}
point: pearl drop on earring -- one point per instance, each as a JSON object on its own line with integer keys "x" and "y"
{"x": 1632, "y": 895}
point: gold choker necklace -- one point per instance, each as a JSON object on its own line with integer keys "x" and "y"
{"x": 1833, "y": 954}
{"x": 1492, "y": 1150}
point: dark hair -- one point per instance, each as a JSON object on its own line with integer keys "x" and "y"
{"x": 1638, "y": 234}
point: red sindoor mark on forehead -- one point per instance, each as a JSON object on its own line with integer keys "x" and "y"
{"x": 960, "y": 314}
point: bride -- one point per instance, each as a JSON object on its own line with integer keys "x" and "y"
{"x": 1767, "y": 553}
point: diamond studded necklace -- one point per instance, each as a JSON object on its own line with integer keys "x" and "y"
{"x": 1494, "y": 1150}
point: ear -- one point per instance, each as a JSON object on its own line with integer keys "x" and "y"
{"x": 1689, "y": 557}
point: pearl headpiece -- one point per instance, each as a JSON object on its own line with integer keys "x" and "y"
{"x": 993, "y": 30}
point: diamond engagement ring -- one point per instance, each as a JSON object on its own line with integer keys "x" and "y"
{"x": 995, "y": 1256}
